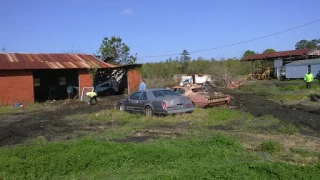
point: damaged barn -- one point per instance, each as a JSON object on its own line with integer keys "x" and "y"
{"x": 123, "y": 79}
{"x": 36, "y": 77}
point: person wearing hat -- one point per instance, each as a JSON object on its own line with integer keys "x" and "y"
{"x": 318, "y": 77}
{"x": 309, "y": 78}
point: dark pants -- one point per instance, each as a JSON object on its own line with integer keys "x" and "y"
{"x": 92, "y": 98}
{"x": 70, "y": 95}
{"x": 308, "y": 85}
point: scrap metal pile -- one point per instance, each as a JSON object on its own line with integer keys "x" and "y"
{"x": 315, "y": 97}
{"x": 203, "y": 95}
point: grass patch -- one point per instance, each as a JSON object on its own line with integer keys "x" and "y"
{"x": 289, "y": 129}
{"x": 265, "y": 123}
{"x": 270, "y": 147}
{"x": 289, "y": 96}
{"x": 302, "y": 152}
{"x": 291, "y": 92}
{"x": 191, "y": 157}
{"x": 28, "y": 107}
{"x": 118, "y": 123}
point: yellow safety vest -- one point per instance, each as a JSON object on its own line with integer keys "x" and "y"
{"x": 308, "y": 77}
{"x": 91, "y": 94}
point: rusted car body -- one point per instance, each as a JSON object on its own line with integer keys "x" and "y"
{"x": 202, "y": 97}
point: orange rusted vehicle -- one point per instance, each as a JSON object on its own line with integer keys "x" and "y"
{"x": 201, "y": 97}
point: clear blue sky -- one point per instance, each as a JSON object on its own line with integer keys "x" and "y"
{"x": 153, "y": 27}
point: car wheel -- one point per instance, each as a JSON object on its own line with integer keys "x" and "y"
{"x": 148, "y": 111}
{"x": 121, "y": 107}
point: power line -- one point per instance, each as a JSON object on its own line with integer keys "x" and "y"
{"x": 242, "y": 42}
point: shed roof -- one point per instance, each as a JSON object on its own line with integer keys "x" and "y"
{"x": 280, "y": 54}
{"x": 16, "y": 61}
{"x": 304, "y": 62}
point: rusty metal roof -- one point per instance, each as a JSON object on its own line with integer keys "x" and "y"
{"x": 279, "y": 54}
{"x": 15, "y": 61}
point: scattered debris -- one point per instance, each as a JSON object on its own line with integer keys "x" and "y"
{"x": 314, "y": 97}
{"x": 203, "y": 95}
{"x": 233, "y": 107}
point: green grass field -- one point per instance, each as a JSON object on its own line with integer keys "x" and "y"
{"x": 197, "y": 152}
{"x": 203, "y": 156}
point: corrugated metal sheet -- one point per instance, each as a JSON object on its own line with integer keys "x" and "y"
{"x": 298, "y": 69}
{"x": 304, "y": 62}
{"x": 279, "y": 54}
{"x": 11, "y": 61}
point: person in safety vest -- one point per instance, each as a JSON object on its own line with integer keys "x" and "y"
{"x": 91, "y": 96}
{"x": 308, "y": 78}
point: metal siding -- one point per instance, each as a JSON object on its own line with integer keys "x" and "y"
{"x": 11, "y": 61}
{"x": 278, "y": 63}
{"x": 315, "y": 69}
{"x": 304, "y": 62}
{"x": 296, "y": 71}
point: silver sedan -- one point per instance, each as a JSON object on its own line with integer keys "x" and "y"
{"x": 156, "y": 101}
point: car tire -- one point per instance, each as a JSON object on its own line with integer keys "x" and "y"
{"x": 121, "y": 107}
{"x": 148, "y": 111}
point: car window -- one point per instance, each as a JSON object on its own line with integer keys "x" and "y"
{"x": 143, "y": 96}
{"x": 163, "y": 93}
{"x": 135, "y": 96}
{"x": 180, "y": 91}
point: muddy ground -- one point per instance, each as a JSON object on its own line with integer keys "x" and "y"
{"x": 258, "y": 106}
{"x": 18, "y": 127}
{"x": 303, "y": 115}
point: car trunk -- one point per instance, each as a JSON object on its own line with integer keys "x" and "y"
{"x": 179, "y": 102}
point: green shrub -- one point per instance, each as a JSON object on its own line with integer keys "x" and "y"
{"x": 270, "y": 147}
{"x": 289, "y": 129}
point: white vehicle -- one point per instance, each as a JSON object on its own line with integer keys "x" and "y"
{"x": 109, "y": 87}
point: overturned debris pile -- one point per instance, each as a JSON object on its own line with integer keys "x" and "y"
{"x": 314, "y": 97}
{"x": 203, "y": 96}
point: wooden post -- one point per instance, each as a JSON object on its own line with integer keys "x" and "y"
{"x": 251, "y": 67}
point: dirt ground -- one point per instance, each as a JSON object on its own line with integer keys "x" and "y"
{"x": 18, "y": 127}
{"x": 258, "y": 107}
{"x": 299, "y": 115}
{"x": 21, "y": 126}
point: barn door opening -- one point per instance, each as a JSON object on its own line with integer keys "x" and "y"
{"x": 52, "y": 84}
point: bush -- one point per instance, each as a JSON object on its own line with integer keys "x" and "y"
{"x": 289, "y": 129}
{"x": 270, "y": 147}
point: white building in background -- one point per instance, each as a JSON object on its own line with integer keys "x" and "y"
{"x": 298, "y": 69}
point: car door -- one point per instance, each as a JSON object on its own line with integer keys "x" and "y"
{"x": 142, "y": 102}
{"x": 133, "y": 101}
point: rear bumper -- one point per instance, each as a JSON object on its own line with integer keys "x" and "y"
{"x": 177, "y": 111}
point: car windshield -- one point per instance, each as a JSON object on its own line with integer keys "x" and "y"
{"x": 180, "y": 91}
{"x": 163, "y": 93}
